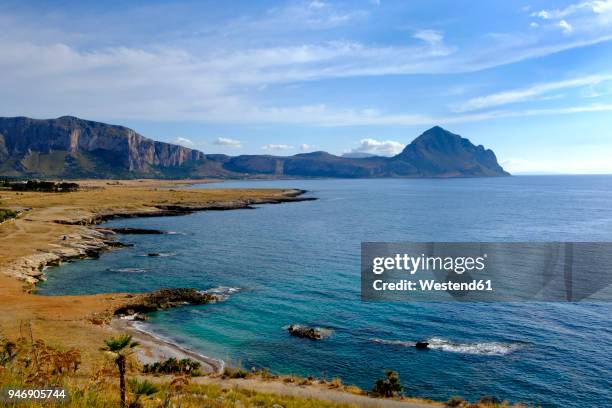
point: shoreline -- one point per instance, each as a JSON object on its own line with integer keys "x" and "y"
{"x": 90, "y": 242}
{"x": 159, "y": 348}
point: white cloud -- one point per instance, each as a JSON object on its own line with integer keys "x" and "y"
{"x": 525, "y": 94}
{"x": 602, "y": 6}
{"x": 380, "y": 148}
{"x": 567, "y": 27}
{"x": 305, "y": 147}
{"x": 309, "y": 15}
{"x": 597, "y": 7}
{"x": 429, "y": 36}
{"x": 277, "y": 147}
{"x": 58, "y": 72}
{"x": 534, "y": 25}
{"x": 182, "y": 141}
{"x": 224, "y": 141}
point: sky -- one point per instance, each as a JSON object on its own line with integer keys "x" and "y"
{"x": 531, "y": 80}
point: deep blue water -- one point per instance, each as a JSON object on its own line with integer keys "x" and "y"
{"x": 299, "y": 263}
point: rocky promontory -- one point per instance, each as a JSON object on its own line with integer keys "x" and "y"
{"x": 164, "y": 299}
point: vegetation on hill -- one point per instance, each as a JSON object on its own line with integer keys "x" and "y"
{"x": 6, "y": 214}
{"x": 183, "y": 366}
{"x": 29, "y": 363}
{"x": 40, "y": 186}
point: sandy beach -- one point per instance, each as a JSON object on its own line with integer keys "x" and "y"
{"x": 155, "y": 348}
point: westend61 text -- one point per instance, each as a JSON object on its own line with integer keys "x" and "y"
{"x": 432, "y": 285}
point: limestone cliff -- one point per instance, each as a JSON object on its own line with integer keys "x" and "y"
{"x": 70, "y": 146}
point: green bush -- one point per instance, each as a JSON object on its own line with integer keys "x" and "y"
{"x": 173, "y": 366}
{"x": 40, "y": 186}
{"x": 234, "y": 373}
{"x": 6, "y": 214}
{"x": 389, "y": 386}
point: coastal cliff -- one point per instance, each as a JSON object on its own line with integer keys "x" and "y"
{"x": 73, "y": 147}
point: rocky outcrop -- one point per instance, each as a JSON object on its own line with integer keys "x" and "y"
{"x": 165, "y": 299}
{"x": 312, "y": 333}
{"x": 86, "y": 243}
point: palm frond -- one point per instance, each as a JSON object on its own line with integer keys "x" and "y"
{"x": 145, "y": 387}
{"x": 119, "y": 343}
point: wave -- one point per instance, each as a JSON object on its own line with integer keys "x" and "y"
{"x": 394, "y": 342}
{"x": 222, "y": 293}
{"x": 128, "y": 270}
{"x": 159, "y": 254}
{"x": 481, "y": 348}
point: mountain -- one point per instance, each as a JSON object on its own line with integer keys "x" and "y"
{"x": 438, "y": 152}
{"x": 70, "y": 147}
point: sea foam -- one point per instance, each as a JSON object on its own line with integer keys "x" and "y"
{"x": 478, "y": 348}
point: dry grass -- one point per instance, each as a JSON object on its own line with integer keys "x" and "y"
{"x": 31, "y": 364}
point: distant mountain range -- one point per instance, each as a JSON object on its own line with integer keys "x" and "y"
{"x": 69, "y": 147}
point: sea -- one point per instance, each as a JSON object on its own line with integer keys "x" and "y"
{"x": 299, "y": 263}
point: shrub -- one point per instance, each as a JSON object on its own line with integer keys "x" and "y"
{"x": 389, "y": 386}
{"x": 173, "y": 366}
{"x": 234, "y": 373}
{"x": 6, "y": 214}
{"x": 41, "y": 186}
{"x": 454, "y": 402}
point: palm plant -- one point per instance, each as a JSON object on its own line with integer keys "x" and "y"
{"x": 120, "y": 348}
{"x": 140, "y": 389}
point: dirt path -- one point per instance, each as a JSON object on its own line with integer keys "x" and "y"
{"x": 313, "y": 391}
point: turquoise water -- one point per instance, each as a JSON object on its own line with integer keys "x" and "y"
{"x": 299, "y": 263}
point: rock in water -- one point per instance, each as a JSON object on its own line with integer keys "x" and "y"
{"x": 421, "y": 344}
{"x": 312, "y": 333}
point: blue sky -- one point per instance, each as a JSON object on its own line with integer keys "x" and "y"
{"x": 530, "y": 79}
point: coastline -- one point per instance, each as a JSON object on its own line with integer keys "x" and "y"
{"x": 61, "y": 227}
{"x": 89, "y": 242}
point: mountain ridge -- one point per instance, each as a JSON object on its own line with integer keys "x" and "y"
{"x": 70, "y": 147}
